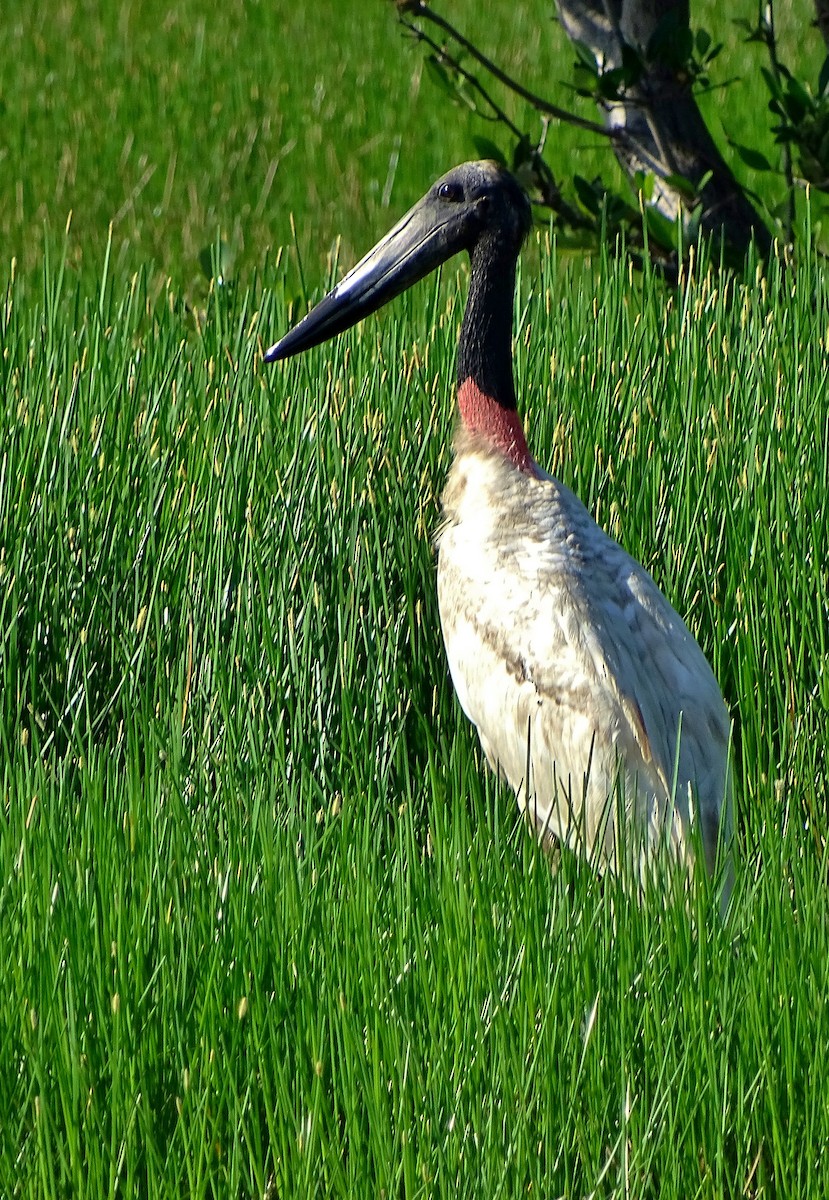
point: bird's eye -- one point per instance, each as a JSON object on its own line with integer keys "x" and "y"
{"x": 453, "y": 192}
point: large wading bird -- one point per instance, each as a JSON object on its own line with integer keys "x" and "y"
{"x": 588, "y": 692}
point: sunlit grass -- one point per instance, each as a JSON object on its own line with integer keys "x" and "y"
{"x": 267, "y": 925}
{"x": 180, "y": 122}
{"x": 267, "y": 922}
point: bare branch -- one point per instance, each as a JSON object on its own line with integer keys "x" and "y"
{"x": 629, "y": 148}
{"x": 652, "y": 119}
{"x": 420, "y": 9}
{"x": 550, "y": 192}
{"x": 444, "y": 56}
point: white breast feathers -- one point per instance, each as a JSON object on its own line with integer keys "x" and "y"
{"x": 589, "y": 694}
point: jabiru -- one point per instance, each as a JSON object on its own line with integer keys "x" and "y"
{"x": 588, "y": 692}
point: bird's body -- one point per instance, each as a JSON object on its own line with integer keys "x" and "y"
{"x": 588, "y": 692}
{"x": 569, "y": 660}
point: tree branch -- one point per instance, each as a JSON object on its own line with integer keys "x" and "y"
{"x": 651, "y": 116}
{"x": 420, "y": 9}
{"x": 629, "y": 148}
{"x": 551, "y": 196}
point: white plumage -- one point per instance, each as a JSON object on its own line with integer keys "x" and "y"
{"x": 568, "y": 659}
{"x": 588, "y": 692}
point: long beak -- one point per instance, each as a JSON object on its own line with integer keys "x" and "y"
{"x": 427, "y": 236}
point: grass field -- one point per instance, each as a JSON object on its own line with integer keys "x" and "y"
{"x": 267, "y": 926}
{"x": 174, "y": 123}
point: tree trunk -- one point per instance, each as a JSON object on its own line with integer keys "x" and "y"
{"x": 657, "y": 124}
{"x": 822, "y": 19}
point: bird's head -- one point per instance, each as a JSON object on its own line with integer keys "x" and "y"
{"x": 477, "y": 204}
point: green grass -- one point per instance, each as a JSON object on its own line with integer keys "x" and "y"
{"x": 267, "y": 925}
{"x": 265, "y": 917}
{"x": 176, "y": 123}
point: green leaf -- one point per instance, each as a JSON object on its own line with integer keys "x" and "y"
{"x": 794, "y": 108}
{"x": 752, "y": 158}
{"x": 588, "y": 197}
{"x": 686, "y": 187}
{"x": 440, "y": 76}
{"x": 487, "y": 149}
{"x": 587, "y": 59}
{"x": 661, "y": 229}
{"x": 801, "y": 93}
{"x": 672, "y": 42}
{"x": 644, "y": 182}
{"x": 823, "y": 78}
{"x": 702, "y": 41}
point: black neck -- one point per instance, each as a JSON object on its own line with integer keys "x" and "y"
{"x": 485, "y": 350}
